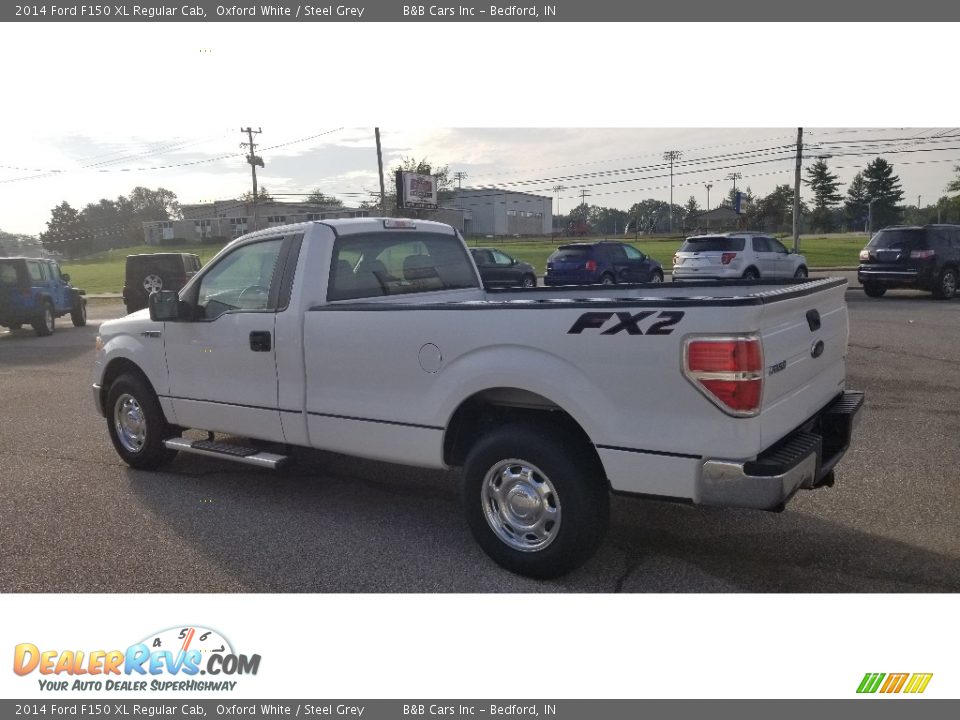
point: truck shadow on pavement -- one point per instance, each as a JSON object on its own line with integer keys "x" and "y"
{"x": 24, "y": 347}
{"x": 332, "y": 523}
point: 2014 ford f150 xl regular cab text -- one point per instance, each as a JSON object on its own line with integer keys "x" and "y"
{"x": 375, "y": 337}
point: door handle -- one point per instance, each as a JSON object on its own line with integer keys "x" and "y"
{"x": 260, "y": 341}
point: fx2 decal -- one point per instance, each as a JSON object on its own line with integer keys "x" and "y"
{"x": 662, "y": 324}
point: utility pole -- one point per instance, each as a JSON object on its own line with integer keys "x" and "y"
{"x": 383, "y": 191}
{"x": 671, "y": 155}
{"x": 254, "y": 160}
{"x": 734, "y": 176}
{"x": 708, "y": 186}
{"x": 458, "y": 176}
{"x": 558, "y": 189}
{"x": 796, "y": 193}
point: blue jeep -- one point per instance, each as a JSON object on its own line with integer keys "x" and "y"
{"x": 33, "y": 291}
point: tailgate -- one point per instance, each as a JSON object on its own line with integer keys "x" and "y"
{"x": 804, "y": 347}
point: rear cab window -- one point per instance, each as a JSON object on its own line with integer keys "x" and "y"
{"x": 566, "y": 253}
{"x": 9, "y": 276}
{"x": 713, "y": 244}
{"x": 398, "y": 262}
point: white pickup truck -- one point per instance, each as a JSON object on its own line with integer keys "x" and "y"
{"x": 375, "y": 337}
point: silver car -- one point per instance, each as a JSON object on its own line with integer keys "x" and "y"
{"x": 736, "y": 255}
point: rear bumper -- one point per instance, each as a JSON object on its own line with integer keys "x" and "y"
{"x": 896, "y": 277}
{"x": 803, "y": 460}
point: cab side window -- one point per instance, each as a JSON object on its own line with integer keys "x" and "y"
{"x": 500, "y": 259}
{"x": 632, "y": 253}
{"x": 36, "y": 272}
{"x": 241, "y": 281}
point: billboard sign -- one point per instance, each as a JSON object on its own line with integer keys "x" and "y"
{"x": 416, "y": 191}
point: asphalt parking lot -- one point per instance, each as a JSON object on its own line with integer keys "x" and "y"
{"x": 73, "y": 518}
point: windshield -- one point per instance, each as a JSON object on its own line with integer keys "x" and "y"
{"x": 712, "y": 244}
{"x": 896, "y": 239}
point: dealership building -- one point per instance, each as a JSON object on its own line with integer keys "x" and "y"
{"x": 496, "y": 212}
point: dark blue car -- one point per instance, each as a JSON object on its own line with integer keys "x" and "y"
{"x": 604, "y": 263}
{"x": 33, "y": 291}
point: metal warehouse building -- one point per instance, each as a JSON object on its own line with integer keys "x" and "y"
{"x": 491, "y": 211}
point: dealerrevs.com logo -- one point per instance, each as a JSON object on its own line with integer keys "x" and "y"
{"x": 172, "y": 659}
{"x": 893, "y": 683}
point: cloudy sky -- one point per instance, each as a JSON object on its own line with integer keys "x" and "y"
{"x": 94, "y": 110}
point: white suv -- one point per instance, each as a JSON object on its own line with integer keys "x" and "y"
{"x": 736, "y": 255}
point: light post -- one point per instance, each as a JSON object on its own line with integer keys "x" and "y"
{"x": 708, "y": 186}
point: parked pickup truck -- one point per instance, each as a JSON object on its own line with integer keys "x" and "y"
{"x": 375, "y": 338}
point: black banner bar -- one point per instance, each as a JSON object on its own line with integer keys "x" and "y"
{"x": 727, "y": 11}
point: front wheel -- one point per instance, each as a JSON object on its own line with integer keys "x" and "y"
{"x": 874, "y": 291}
{"x": 529, "y": 281}
{"x": 657, "y": 277}
{"x": 44, "y": 323}
{"x": 801, "y": 273}
{"x": 79, "y": 314}
{"x": 136, "y": 424}
{"x": 946, "y": 285}
{"x": 535, "y": 499}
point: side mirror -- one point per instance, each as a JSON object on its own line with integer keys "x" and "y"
{"x": 164, "y": 306}
{"x": 66, "y": 277}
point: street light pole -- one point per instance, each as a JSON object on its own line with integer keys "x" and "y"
{"x": 671, "y": 155}
{"x": 708, "y": 186}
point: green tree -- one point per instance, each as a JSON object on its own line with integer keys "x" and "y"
{"x": 263, "y": 195}
{"x": 690, "y": 212}
{"x": 773, "y": 212}
{"x": 885, "y": 192}
{"x": 149, "y": 205}
{"x": 824, "y": 185}
{"x": 318, "y": 198}
{"x": 954, "y": 186}
{"x": 66, "y": 232}
{"x": 856, "y": 202}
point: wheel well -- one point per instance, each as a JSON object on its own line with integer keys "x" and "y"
{"x": 498, "y": 406}
{"x": 115, "y": 369}
{"x": 752, "y": 267}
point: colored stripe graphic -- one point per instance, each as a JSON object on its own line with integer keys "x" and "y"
{"x": 918, "y": 683}
{"x": 895, "y": 683}
{"x": 870, "y": 682}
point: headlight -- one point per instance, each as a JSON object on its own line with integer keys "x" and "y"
{"x": 864, "y": 254}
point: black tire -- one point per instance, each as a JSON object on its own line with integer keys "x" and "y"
{"x": 15, "y": 326}
{"x": 79, "y": 314}
{"x": 657, "y": 277}
{"x": 801, "y": 273}
{"x": 45, "y": 321}
{"x": 607, "y": 279}
{"x": 564, "y": 472}
{"x": 874, "y": 291}
{"x": 751, "y": 273}
{"x": 529, "y": 281}
{"x": 946, "y": 287}
{"x": 149, "y": 453}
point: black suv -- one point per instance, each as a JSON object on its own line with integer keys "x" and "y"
{"x": 927, "y": 258}
{"x": 606, "y": 262}
{"x": 34, "y": 291}
{"x": 155, "y": 272}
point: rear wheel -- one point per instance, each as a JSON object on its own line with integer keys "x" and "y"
{"x": 535, "y": 499}
{"x": 874, "y": 291}
{"x": 79, "y": 314}
{"x": 44, "y": 323}
{"x": 607, "y": 279}
{"x": 946, "y": 285}
{"x": 751, "y": 273}
{"x": 136, "y": 424}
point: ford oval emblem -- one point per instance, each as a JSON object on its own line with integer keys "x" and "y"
{"x": 817, "y": 349}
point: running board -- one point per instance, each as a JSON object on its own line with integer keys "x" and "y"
{"x": 226, "y": 451}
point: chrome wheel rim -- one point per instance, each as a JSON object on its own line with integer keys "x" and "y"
{"x": 529, "y": 283}
{"x": 606, "y": 280}
{"x": 656, "y": 278}
{"x": 153, "y": 283}
{"x": 521, "y": 505}
{"x": 48, "y": 318}
{"x": 130, "y": 424}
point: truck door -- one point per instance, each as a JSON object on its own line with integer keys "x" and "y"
{"x": 58, "y": 288}
{"x": 222, "y": 365}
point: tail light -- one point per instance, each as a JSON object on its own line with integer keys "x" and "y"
{"x": 591, "y": 266}
{"x": 728, "y": 370}
{"x": 921, "y": 254}
{"x": 727, "y": 258}
{"x": 864, "y": 254}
